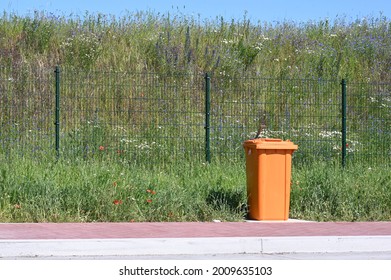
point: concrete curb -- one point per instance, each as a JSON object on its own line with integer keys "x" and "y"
{"x": 192, "y": 246}
{"x": 326, "y": 244}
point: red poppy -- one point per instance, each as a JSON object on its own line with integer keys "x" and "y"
{"x": 151, "y": 191}
{"x": 101, "y": 148}
{"x": 346, "y": 145}
{"x": 117, "y": 202}
{"x": 149, "y": 200}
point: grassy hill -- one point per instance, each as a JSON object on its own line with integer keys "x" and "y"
{"x": 146, "y": 41}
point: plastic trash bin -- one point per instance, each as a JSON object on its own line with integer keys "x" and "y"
{"x": 268, "y": 172}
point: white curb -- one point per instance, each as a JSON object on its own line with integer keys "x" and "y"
{"x": 192, "y": 246}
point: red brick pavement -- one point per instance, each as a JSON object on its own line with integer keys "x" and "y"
{"x": 189, "y": 230}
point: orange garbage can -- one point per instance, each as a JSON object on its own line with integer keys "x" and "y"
{"x": 268, "y": 172}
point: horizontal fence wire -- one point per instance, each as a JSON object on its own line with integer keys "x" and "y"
{"x": 153, "y": 119}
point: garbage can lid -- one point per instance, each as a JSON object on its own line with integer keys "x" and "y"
{"x": 270, "y": 143}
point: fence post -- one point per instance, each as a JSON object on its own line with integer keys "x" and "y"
{"x": 343, "y": 149}
{"x": 207, "y": 117}
{"x": 57, "y": 111}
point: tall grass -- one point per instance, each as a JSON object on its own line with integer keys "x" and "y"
{"x": 167, "y": 43}
{"x": 96, "y": 191}
{"x": 104, "y": 191}
{"x": 325, "y": 192}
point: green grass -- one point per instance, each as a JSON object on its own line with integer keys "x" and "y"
{"x": 87, "y": 191}
{"x": 326, "y": 192}
{"x": 98, "y": 191}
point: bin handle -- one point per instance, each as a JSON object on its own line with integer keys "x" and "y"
{"x": 272, "y": 140}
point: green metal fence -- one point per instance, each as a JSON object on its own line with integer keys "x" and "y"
{"x": 148, "y": 118}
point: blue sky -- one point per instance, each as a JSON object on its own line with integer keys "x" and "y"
{"x": 261, "y": 10}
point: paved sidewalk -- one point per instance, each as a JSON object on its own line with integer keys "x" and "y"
{"x": 136, "y": 239}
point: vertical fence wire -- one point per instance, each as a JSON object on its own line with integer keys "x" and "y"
{"x": 343, "y": 124}
{"x": 57, "y": 114}
{"x": 207, "y": 118}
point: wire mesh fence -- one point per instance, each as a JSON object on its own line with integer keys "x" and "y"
{"x": 304, "y": 111}
{"x": 137, "y": 117}
{"x": 369, "y": 123}
{"x": 26, "y": 111}
{"x": 153, "y": 119}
